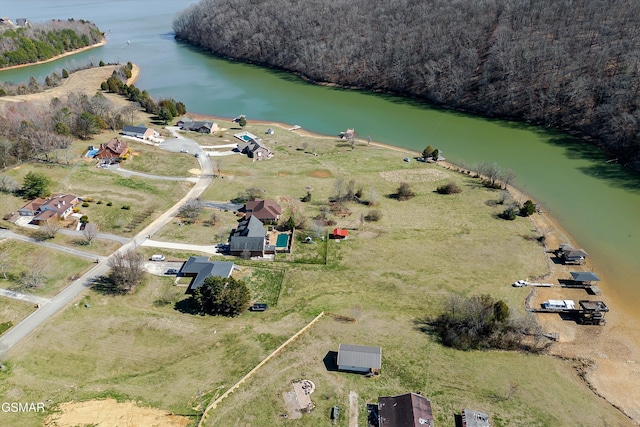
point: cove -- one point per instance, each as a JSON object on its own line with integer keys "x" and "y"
{"x": 596, "y": 202}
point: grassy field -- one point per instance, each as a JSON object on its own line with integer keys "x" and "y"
{"x": 152, "y": 160}
{"x": 13, "y": 311}
{"x": 388, "y": 275}
{"x": 57, "y": 267}
{"x": 146, "y": 198}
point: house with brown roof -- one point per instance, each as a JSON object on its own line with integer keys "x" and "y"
{"x": 55, "y": 207}
{"x": 267, "y": 211}
{"x": 113, "y": 150}
{"x": 406, "y": 410}
{"x": 32, "y": 208}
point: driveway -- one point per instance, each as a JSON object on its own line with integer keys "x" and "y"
{"x": 223, "y": 206}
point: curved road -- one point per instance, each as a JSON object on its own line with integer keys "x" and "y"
{"x": 14, "y": 335}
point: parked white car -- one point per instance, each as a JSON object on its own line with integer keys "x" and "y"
{"x": 520, "y": 283}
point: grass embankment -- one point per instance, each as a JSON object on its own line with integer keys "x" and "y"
{"x": 57, "y": 268}
{"x": 388, "y": 275}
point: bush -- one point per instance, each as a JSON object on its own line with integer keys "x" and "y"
{"x": 528, "y": 208}
{"x": 509, "y": 214}
{"x": 449, "y": 188}
{"x": 76, "y": 209}
{"x": 126, "y": 207}
{"x": 109, "y": 204}
{"x": 404, "y": 192}
{"x": 373, "y": 216}
{"x": 85, "y": 204}
{"x": 99, "y": 202}
{"x": 84, "y": 219}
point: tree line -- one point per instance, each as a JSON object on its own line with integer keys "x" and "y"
{"x": 42, "y": 41}
{"x": 571, "y": 64}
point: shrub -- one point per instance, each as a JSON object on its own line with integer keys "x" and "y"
{"x": 306, "y": 198}
{"x": 373, "y": 216}
{"x": 109, "y": 204}
{"x": 76, "y": 209}
{"x": 404, "y": 192}
{"x": 509, "y": 214}
{"x": 85, "y": 204}
{"x": 126, "y": 207}
{"x": 528, "y": 208}
{"x": 449, "y": 188}
{"x": 84, "y": 219}
{"x": 99, "y": 202}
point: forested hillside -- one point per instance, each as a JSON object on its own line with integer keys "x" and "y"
{"x": 42, "y": 41}
{"x": 568, "y": 64}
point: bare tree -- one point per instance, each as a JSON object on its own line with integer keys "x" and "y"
{"x": 131, "y": 111}
{"x": 90, "y": 231}
{"x": 5, "y": 262}
{"x": 8, "y": 184}
{"x": 217, "y": 165}
{"x": 507, "y": 177}
{"x": 34, "y": 277}
{"x": 127, "y": 270}
{"x": 191, "y": 210}
{"x": 51, "y": 227}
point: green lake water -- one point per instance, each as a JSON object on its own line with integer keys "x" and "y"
{"x": 597, "y": 203}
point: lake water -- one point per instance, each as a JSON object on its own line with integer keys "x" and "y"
{"x": 596, "y": 202}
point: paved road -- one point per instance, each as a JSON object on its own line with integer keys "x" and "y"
{"x": 106, "y": 236}
{"x": 207, "y": 249}
{"x": 8, "y": 234}
{"x": 23, "y": 297}
{"x": 14, "y": 335}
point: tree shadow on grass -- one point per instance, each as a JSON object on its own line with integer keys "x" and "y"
{"x": 105, "y": 286}
{"x": 187, "y": 306}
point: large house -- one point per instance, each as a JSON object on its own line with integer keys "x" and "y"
{"x": 406, "y": 410}
{"x": 113, "y": 150}
{"x": 197, "y": 126}
{"x": 267, "y": 211}
{"x": 55, "y": 207}
{"x": 200, "y": 268}
{"x": 359, "y": 358}
{"x": 252, "y": 146}
{"x": 248, "y": 238}
{"x": 139, "y": 131}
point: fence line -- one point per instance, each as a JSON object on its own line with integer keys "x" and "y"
{"x": 255, "y": 369}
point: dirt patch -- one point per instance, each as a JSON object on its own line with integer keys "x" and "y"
{"x": 283, "y": 174}
{"x": 320, "y": 173}
{"x": 109, "y": 413}
{"x": 414, "y": 175}
{"x": 194, "y": 171}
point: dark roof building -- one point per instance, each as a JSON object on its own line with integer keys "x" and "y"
{"x": 406, "y": 410}
{"x": 584, "y": 276}
{"x": 205, "y": 126}
{"x": 248, "y": 236}
{"x": 139, "y": 131}
{"x": 200, "y": 268}
{"x": 264, "y": 210}
{"x": 474, "y": 419}
{"x": 359, "y": 358}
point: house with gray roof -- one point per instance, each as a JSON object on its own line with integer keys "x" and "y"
{"x": 200, "y": 268}
{"x": 205, "y": 126}
{"x": 139, "y": 131}
{"x": 253, "y": 146}
{"x": 248, "y": 238}
{"x": 359, "y": 358}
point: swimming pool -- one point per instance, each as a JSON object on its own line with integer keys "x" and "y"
{"x": 282, "y": 241}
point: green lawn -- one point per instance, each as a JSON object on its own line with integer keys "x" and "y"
{"x": 58, "y": 268}
{"x": 388, "y": 275}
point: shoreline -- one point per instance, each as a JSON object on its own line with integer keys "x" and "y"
{"x": 604, "y": 356}
{"x": 62, "y": 55}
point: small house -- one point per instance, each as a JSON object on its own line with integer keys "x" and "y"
{"x": 200, "y": 268}
{"x": 55, "y": 207}
{"x": 339, "y": 233}
{"x": 139, "y": 131}
{"x": 112, "y": 151}
{"x": 359, "y": 358}
{"x": 406, "y": 410}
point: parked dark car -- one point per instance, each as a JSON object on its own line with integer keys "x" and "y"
{"x": 258, "y": 307}
{"x": 172, "y": 271}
